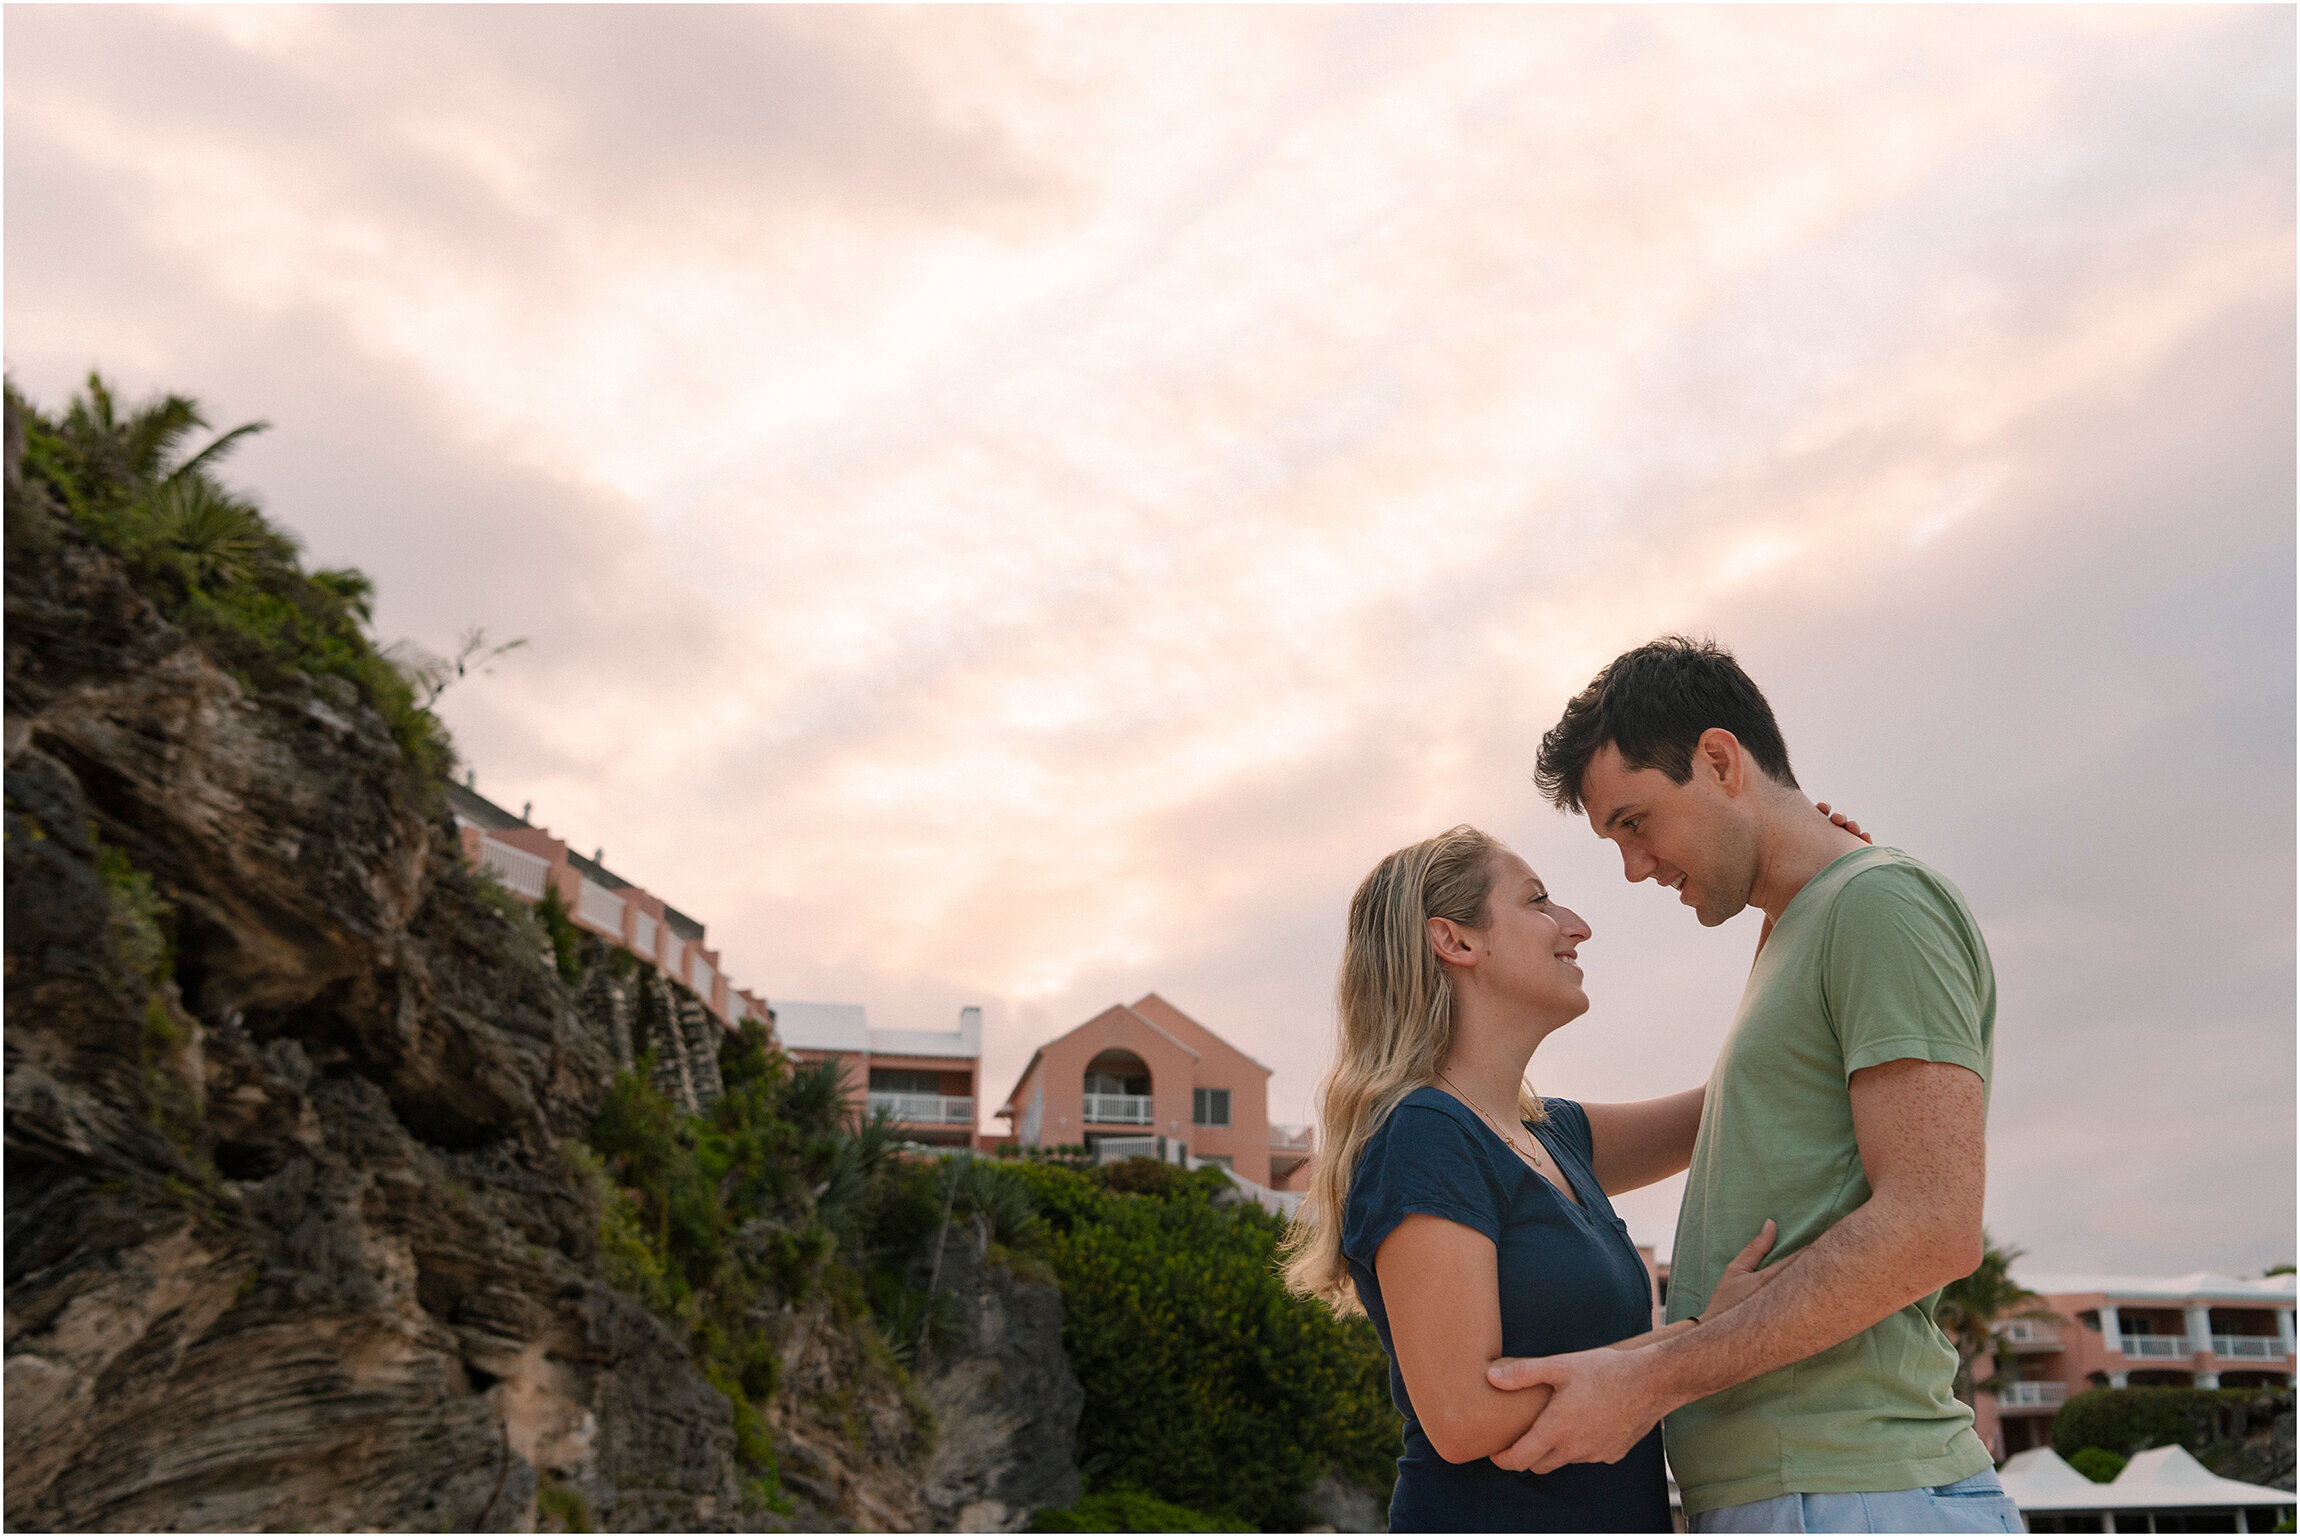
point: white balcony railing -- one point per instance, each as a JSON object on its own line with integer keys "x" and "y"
{"x": 2026, "y": 1334}
{"x": 521, "y": 871}
{"x": 1293, "y": 1139}
{"x": 1119, "y": 1109}
{"x": 643, "y": 930}
{"x": 2159, "y": 1347}
{"x": 2031, "y": 1395}
{"x": 600, "y": 908}
{"x": 2247, "y": 1347}
{"x": 925, "y": 1109}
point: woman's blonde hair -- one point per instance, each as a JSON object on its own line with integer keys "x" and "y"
{"x": 1397, "y": 1021}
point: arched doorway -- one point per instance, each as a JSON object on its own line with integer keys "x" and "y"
{"x": 1117, "y": 1090}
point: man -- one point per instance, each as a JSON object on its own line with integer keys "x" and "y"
{"x": 1848, "y": 1105}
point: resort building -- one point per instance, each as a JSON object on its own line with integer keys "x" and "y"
{"x": 529, "y": 861}
{"x": 1150, "y": 1079}
{"x": 2199, "y": 1330}
{"x": 924, "y": 1079}
{"x": 675, "y": 1006}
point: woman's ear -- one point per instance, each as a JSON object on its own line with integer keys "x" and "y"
{"x": 1451, "y": 942}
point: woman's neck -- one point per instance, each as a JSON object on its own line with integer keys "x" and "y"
{"x": 1488, "y": 1065}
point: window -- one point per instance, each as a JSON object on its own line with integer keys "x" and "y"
{"x": 897, "y": 1080}
{"x": 1209, "y": 1107}
{"x": 1118, "y": 1083}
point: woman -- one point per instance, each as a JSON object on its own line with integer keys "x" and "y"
{"x": 1467, "y": 1216}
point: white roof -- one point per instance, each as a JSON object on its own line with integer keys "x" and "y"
{"x": 822, "y": 1026}
{"x": 924, "y": 1043}
{"x": 2197, "y": 1284}
{"x": 845, "y": 1027}
{"x": 2165, "y": 1478}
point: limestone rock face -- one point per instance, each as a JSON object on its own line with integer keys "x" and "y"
{"x": 293, "y": 1237}
{"x": 1003, "y": 1394}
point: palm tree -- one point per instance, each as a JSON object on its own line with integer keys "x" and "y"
{"x": 1970, "y": 1310}
{"x": 137, "y": 451}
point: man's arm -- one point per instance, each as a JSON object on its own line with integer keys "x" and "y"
{"x": 1919, "y": 1126}
{"x": 1644, "y": 1140}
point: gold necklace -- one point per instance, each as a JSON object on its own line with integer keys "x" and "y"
{"x": 1532, "y": 1157}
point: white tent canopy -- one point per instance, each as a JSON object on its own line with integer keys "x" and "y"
{"x": 2166, "y": 1478}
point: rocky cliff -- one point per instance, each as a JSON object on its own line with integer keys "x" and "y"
{"x": 299, "y": 1236}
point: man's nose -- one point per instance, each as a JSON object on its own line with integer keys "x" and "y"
{"x": 1636, "y": 866}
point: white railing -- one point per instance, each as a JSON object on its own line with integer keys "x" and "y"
{"x": 2163, "y": 1347}
{"x": 643, "y": 929}
{"x": 2029, "y": 1334}
{"x": 1114, "y": 1149}
{"x": 516, "y": 868}
{"x": 700, "y": 976}
{"x": 2248, "y": 1347}
{"x": 1122, "y": 1109}
{"x": 1293, "y": 1139}
{"x": 2032, "y": 1395}
{"x": 925, "y": 1109}
{"x": 600, "y": 908}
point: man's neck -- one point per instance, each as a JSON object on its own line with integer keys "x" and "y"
{"x": 1797, "y": 844}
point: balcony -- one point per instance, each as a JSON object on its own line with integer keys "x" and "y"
{"x": 2027, "y": 1336}
{"x": 925, "y": 1109}
{"x": 2030, "y": 1397}
{"x": 2156, "y": 1347}
{"x": 2248, "y": 1347}
{"x": 516, "y": 868}
{"x": 1118, "y": 1109}
{"x": 1293, "y": 1139}
{"x": 600, "y": 908}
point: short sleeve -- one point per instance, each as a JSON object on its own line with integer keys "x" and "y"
{"x": 1569, "y": 1121}
{"x": 1424, "y": 1162}
{"x": 1906, "y": 974}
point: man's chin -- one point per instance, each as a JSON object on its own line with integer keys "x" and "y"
{"x": 1711, "y": 917}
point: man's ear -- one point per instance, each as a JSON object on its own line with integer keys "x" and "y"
{"x": 1451, "y": 942}
{"x": 1718, "y": 756}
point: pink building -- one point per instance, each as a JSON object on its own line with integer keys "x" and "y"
{"x": 1147, "y": 1073}
{"x": 924, "y": 1079}
{"x": 529, "y": 860}
{"x": 2200, "y": 1330}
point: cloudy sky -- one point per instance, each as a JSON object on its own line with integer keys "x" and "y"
{"x": 1025, "y": 507}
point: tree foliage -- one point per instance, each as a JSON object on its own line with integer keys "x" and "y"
{"x": 1970, "y": 1309}
{"x": 2210, "y": 1423}
{"x": 1208, "y": 1384}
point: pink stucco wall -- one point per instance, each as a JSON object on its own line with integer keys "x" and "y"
{"x": 1180, "y": 1055}
{"x": 2074, "y": 1354}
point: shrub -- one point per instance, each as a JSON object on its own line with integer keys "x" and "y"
{"x": 1208, "y": 1384}
{"x": 2128, "y": 1420}
{"x": 2097, "y": 1463}
{"x": 1130, "y": 1510}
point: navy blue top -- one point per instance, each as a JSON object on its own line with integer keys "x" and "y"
{"x": 1570, "y": 1280}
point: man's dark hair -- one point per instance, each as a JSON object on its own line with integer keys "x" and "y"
{"x": 1652, "y": 704}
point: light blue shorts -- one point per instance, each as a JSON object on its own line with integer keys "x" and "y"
{"x": 1975, "y": 1504}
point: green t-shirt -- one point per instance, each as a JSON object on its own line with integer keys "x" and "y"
{"x": 1877, "y": 958}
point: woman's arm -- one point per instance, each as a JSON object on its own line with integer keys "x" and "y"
{"x": 1442, "y": 1291}
{"x": 1644, "y": 1140}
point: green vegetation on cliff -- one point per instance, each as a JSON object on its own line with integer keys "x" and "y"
{"x": 1208, "y": 1384}
{"x": 206, "y": 555}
